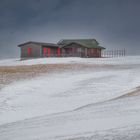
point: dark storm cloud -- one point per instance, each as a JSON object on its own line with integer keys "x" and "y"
{"x": 114, "y": 23}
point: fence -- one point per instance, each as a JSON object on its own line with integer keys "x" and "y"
{"x": 113, "y": 53}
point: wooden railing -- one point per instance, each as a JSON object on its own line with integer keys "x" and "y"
{"x": 113, "y": 53}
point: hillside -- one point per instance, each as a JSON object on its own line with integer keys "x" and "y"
{"x": 70, "y": 98}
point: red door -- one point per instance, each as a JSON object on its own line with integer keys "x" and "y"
{"x": 44, "y": 51}
{"x": 29, "y": 51}
{"x": 58, "y": 52}
{"x": 48, "y": 51}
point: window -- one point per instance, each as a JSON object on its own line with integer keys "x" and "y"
{"x": 79, "y": 50}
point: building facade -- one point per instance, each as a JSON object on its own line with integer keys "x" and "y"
{"x": 64, "y": 48}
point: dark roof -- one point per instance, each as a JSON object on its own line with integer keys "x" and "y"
{"x": 67, "y": 41}
{"x": 39, "y": 43}
{"x": 89, "y": 43}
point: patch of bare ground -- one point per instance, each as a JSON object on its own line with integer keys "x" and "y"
{"x": 10, "y": 74}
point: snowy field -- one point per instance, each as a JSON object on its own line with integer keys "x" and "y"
{"x": 101, "y": 103}
{"x": 69, "y": 60}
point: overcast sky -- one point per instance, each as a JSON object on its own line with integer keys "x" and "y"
{"x": 114, "y": 23}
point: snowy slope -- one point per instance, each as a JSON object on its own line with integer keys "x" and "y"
{"x": 73, "y": 104}
{"x": 16, "y": 62}
{"x": 114, "y": 61}
{"x": 112, "y": 120}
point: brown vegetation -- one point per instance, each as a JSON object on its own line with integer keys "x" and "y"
{"x": 10, "y": 74}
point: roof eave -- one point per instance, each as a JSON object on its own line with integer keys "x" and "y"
{"x": 73, "y": 43}
{"x": 39, "y": 43}
{"x": 20, "y": 45}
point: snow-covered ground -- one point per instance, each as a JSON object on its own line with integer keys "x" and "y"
{"x": 113, "y": 61}
{"x": 81, "y": 104}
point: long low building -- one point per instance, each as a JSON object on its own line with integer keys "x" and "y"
{"x": 64, "y": 48}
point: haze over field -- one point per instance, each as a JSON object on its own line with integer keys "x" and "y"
{"x": 114, "y": 23}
